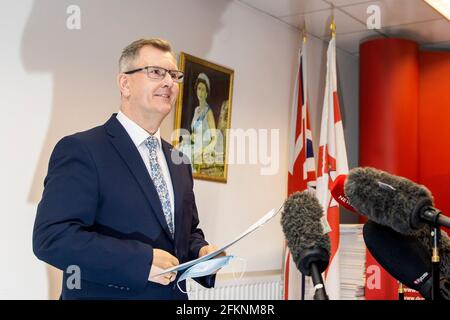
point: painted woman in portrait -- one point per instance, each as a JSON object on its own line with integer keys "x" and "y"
{"x": 203, "y": 127}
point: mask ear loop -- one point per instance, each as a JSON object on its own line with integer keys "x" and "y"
{"x": 243, "y": 272}
{"x": 188, "y": 286}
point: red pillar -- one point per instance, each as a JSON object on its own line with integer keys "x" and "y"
{"x": 389, "y": 102}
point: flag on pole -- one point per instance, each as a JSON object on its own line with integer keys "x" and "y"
{"x": 302, "y": 172}
{"x": 332, "y": 162}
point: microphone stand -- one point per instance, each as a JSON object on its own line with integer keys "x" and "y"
{"x": 320, "y": 293}
{"x": 312, "y": 262}
{"x": 436, "y": 219}
{"x": 401, "y": 292}
{"x": 435, "y": 261}
{"x": 303, "y": 287}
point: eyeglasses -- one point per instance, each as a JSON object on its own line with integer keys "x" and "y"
{"x": 159, "y": 73}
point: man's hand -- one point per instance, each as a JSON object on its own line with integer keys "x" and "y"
{"x": 208, "y": 249}
{"x": 162, "y": 260}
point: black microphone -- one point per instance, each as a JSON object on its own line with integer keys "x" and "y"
{"x": 404, "y": 257}
{"x": 309, "y": 246}
{"x": 397, "y": 203}
{"x": 393, "y": 201}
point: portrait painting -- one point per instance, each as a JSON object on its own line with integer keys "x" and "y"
{"x": 202, "y": 118}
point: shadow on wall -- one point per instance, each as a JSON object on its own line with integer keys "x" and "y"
{"x": 83, "y": 62}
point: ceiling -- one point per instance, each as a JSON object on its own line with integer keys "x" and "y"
{"x": 412, "y": 19}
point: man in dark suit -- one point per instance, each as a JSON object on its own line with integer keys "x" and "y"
{"x": 118, "y": 201}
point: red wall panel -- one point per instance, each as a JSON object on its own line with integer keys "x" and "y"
{"x": 434, "y": 126}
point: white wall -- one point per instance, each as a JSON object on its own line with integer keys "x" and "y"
{"x": 56, "y": 81}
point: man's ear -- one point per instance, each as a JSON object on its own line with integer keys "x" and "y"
{"x": 124, "y": 84}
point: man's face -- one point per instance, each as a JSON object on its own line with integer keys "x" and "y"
{"x": 152, "y": 96}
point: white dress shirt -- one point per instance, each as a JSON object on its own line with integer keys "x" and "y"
{"x": 139, "y": 135}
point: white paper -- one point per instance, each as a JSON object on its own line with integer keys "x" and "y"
{"x": 269, "y": 215}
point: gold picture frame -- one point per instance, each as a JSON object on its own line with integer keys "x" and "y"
{"x": 203, "y": 116}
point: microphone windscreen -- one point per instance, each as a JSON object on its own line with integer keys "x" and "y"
{"x": 301, "y": 224}
{"x": 404, "y": 257}
{"x": 384, "y": 198}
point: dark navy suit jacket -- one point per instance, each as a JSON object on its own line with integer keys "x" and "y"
{"x": 100, "y": 211}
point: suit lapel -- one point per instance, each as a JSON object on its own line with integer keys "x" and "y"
{"x": 176, "y": 177}
{"x": 130, "y": 155}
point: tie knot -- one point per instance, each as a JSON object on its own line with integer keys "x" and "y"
{"x": 152, "y": 143}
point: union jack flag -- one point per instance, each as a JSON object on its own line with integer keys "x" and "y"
{"x": 302, "y": 171}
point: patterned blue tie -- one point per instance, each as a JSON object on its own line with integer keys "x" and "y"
{"x": 160, "y": 184}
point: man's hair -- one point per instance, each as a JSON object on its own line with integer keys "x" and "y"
{"x": 131, "y": 52}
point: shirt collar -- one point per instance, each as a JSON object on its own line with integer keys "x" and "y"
{"x": 137, "y": 134}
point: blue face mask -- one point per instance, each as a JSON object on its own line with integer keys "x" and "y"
{"x": 204, "y": 268}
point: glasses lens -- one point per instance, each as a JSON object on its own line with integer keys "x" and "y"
{"x": 159, "y": 73}
{"x": 156, "y": 72}
{"x": 176, "y": 75}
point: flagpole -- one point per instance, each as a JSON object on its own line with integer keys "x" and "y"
{"x": 333, "y": 27}
{"x": 303, "y": 278}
